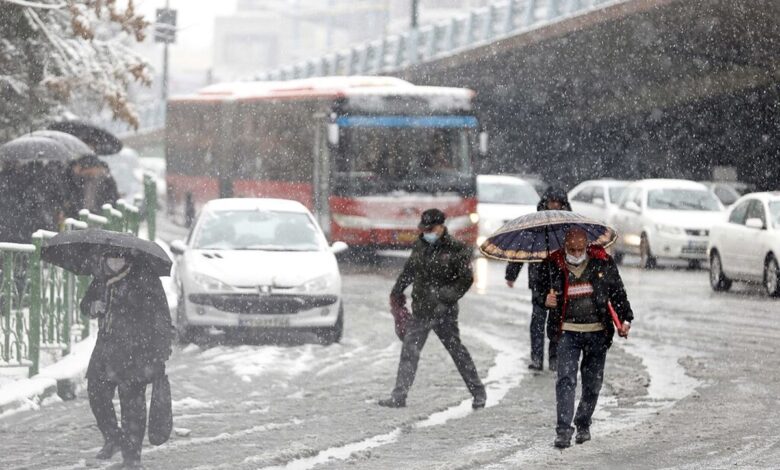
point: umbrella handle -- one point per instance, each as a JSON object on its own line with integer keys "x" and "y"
{"x": 614, "y": 316}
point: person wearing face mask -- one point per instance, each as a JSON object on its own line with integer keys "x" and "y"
{"x": 576, "y": 284}
{"x": 552, "y": 199}
{"x": 133, "y": 343}
{"x": 439, "y": 270}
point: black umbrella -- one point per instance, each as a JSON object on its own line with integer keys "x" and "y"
{"x": 75, "y": 145}
{"x": 28, "y": 148}
{"x": 534, "y": 236}
{"x": 101, "y": 140}
{"x": 78, "y": 249}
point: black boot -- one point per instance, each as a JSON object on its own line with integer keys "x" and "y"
{"x": 563, "y": 439}
{"x": 108, "y": 450}
{"x": 479, "y": 400}
{"x": 392, "y": 402}
{"x": 583, "y": 435}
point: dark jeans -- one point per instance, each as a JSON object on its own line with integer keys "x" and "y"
{"x": 446, "y": 328}
{"x": 132, "y": 400}
{"x": 593, "y": 348}
{"x": 538, "y": 321}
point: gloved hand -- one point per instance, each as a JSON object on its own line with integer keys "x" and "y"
{"x": 97, "y": 309}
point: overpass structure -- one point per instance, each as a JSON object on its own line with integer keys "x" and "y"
{"x": 577, "y": 89}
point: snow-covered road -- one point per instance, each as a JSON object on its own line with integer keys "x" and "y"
{"x": 693, "y": 387}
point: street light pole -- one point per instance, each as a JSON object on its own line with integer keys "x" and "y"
{"x": 165, "y": 63}
{"x": 415, "y": 11}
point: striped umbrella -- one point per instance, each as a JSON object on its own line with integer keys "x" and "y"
{"x": 534, "y": 236}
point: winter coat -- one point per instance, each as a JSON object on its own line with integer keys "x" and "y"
{"x": 440, "y": 273}
{"x": 32, "y": 200}
{"x": 606, "y": 282}
{"x": 135, "y": 329}
{"x": 102, "y": 188}
{"x": 513, "y": 269}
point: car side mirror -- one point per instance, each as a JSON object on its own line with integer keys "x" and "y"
{"x": 338, "y": 247}
{"x": 755, "y": 223}
{"x": 633, "y": 207}
{"x": 598, "y": 201}
{"x": 178, "y": 247}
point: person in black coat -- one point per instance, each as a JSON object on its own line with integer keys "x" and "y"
{"x": 89, "y": 185}
{"x": 439, "y": 270}
{"x": 578, "y": 284}
{"x": 552, "y": 199}
{"x": 133, "y": 343}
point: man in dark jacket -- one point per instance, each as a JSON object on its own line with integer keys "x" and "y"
{"x": 133, "y": 343}
{"x": 440, "y": 270}
{"x": 553, "y": 199}
{"x": 89, "y": 186}
{"x": 577, "y": 285}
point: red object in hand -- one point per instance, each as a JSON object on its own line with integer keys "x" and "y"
{"x": 614, "y": 316}
{"x": 400, "y": 314}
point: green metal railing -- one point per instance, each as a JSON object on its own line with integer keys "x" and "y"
{"x": 39, "y": 302}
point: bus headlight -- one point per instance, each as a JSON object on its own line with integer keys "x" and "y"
{"x": 474, "y": 217}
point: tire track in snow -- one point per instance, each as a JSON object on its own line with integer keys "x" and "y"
{"x": 505, "y": 374}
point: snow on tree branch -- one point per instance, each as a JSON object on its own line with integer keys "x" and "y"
{"x": 53, "y": 52}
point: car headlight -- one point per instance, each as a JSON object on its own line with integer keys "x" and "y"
{"x": 209, "y": 283}
{"x": 669, "y": 229}
{"x": 318, "y": 284}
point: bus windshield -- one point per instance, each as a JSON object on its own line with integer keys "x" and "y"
{"x": 393, "y": 158}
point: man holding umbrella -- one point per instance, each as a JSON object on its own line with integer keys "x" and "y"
{"x": 440, "y": 270}
{"x": 134, "y": 330}
{"x": 580, "y": 284}
{"x": 583, "y": 289}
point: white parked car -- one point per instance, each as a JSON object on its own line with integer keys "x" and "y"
{"x": 597, "y": 199}
{"x": 500, "y": 199}
{"x": 257, "y": 264}
{"x": 665, "y": 218}
{"x": 746, "y": 245}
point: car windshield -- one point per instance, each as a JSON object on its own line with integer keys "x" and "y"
{"x": 615, "y": 192}
{"x": 257, "y": 230}
{"x": 682, "y": 200}
{"x": 774, "y": 213}
{"x": 507, "y": 193}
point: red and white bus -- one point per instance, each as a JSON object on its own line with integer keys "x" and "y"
{"x": 366, "y": 154}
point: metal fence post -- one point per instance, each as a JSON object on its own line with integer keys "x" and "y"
{"x": 34, "y": 338}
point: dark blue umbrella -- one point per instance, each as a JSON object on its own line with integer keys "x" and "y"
{"x": 534, "y": 236}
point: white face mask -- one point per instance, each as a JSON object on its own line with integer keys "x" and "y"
{"x": 430, "y": 237}
{"x": 576, "y": 260}
{"x": 115, "y": 264}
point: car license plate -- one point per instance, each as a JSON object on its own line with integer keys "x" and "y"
{"x": 406, "y": 237}
{"x": 264, "y": 322}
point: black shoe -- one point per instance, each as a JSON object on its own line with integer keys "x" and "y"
{"x": 479, "y": 401}
{"x": 392, "y": 403}
{"x": 583, "y": 435}
{"x": 563, "y": 440}
{"x": 535, "y": 366}
{"x": 109, "y": 449}
{"x": 553, "y": 366}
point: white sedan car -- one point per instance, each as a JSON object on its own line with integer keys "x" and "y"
{"x": 665, "y": 218}
{"x": 253, "y": 264}
{"x": 597, "y": 199}
{"x": 746, "y": 246}
{"x": 500, "y": 199}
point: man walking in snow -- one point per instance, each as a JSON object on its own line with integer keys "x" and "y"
{"x": 577, "y": 284}
{"x": 439, "y": 269}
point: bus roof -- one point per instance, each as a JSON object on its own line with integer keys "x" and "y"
{"x": 341, "y": 86}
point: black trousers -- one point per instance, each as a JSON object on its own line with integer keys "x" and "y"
{"x": 446, "y": 328}
{"x": 538, "y": 321}
{"x": 593, "y": 349}
{"x": 132, "y": 400}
